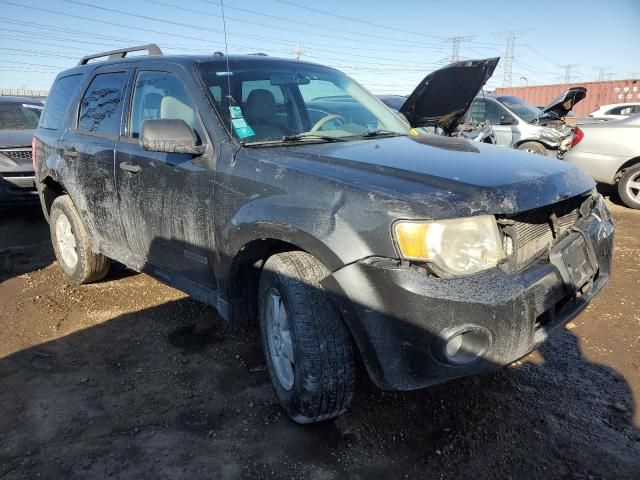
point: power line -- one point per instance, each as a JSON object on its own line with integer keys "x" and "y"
{"x": 404, "y": 43}
{"x": 358, "y": 20}
{"x": 297, "y": 21}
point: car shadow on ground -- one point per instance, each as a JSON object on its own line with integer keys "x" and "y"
{"x": 151, "y": 394}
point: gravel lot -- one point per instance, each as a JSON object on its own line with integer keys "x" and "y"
{"x": 129, "y": 378}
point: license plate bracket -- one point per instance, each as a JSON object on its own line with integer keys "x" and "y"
{"x": 574, "y": 260}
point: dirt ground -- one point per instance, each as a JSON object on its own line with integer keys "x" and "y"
{"x": 113, "y": 380}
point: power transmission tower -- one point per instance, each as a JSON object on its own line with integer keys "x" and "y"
{"x": 509, "y": 54}
{"x": 455, "y": 46}
{"x": 601, "y": 71}
{"x": 567, "y": 71}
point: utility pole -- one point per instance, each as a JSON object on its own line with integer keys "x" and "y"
{"x": 567, "y": 71}
{"x": 298, "y": 52}
{"x": 509, "y": 55}
{"x": 455, "y": 46}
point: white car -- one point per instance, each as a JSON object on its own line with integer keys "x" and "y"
{"x": 616, "y": 111}
{"x": 610, "y": 153}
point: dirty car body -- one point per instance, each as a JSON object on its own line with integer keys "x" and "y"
{"x": 18, "y": 119}
{"x": 339, "y": 179}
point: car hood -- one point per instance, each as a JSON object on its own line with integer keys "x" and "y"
{"x": 559, "y": 107}
{"x": 441, "y": 176}
{"x": 443, "y": 97}
{"x": 15, "y": 138}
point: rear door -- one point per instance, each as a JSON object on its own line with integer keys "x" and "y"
{"x": 166, "y": 199}
{"x": 88, "y": 149}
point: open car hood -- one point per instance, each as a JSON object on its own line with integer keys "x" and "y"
{"x": 443, "y": 98}
{"x": 561, "y": 106}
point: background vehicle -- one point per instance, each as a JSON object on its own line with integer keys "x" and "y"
{"x": 521, "y": 125}
{"x": 616, "y": 111}
{"x": 440, "y": 102}
{"x": 610, "y": 153}
{"x": 283, "y": 191}
{"x": 18, "y": 119}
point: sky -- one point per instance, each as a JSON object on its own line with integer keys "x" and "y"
{"x": 387, "y": 46}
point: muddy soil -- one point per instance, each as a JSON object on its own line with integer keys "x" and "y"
{"x": 112, "y": 380}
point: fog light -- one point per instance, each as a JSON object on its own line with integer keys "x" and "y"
{"x": 466, "y": 346}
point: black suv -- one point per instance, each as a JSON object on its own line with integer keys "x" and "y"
{"x": 283, "y": 191}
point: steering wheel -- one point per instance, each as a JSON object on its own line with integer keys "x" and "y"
{"x": 320, "y": 123}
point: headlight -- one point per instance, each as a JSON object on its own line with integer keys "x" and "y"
{"x": 452, "y": 247}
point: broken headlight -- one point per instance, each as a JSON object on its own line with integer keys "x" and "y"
{"x": 452, "y": 248}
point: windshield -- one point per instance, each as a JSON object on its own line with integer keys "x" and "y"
{"x": 277, "y": 102}
{"x": 524, "y": 110}
{"x": 19, "y": 116}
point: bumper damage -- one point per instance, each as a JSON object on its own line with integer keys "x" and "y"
{"x": 407, "y": 323}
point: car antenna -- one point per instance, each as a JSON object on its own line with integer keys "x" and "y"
{"x": 226, "y": 54}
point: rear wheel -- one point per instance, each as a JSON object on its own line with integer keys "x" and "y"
{"x": 533, "y": 147}
{"x": 307, "y": 346}
{"x": 71, "y": 244}
{"x": 629, "y": 187}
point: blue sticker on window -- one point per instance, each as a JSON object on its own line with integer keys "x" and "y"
{"x": 235, "y": 112}
{"x": 240, "y": 126}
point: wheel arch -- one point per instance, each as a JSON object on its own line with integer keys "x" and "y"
{"x": 50, "y": 189}
{"x": 629, "y": 163}
{"x": 245, "y": 264}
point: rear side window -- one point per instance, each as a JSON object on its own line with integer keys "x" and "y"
{"x": 58, "y": 101}
{"x": 101, "y": 104}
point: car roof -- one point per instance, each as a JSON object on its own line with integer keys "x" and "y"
{"x": 611, "y": 105}
{"x": 187, "y": 60}
{"x": 14, "y": 99}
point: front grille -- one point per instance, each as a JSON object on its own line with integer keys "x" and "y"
{"x": 21, "y": 154}
{"x": 535, "y": 231}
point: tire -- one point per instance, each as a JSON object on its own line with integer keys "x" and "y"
{"x": 321, "y": 382}
{"x": 629, "y": 187}
{"x": 533, "y": 147}
{"x": 72, "y": 246}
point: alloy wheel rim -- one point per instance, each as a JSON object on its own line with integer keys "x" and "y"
{"x": 66, "y": 241}
{"x": 280, "y": 342}
{"x": 633, "y": 187}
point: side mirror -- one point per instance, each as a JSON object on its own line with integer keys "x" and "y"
{"x": 170, "y": 136}
{"x": 506, "y": 120}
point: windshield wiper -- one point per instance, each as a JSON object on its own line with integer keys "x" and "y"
{"x": 311, "y": 135}
{"x": 294, "y": 138}
{"x": 381, "y": 133}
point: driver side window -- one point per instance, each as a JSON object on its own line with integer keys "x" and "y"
{"x": 159, "y": 96}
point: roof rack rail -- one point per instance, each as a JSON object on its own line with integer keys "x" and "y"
{"x": 259, "y": 54}
{"x": 151, "y": 48}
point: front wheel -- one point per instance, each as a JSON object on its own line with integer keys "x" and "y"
{"x": 533, "y": 147}
{"x": 629, "y": 187}
{"x": 71, "y": 244}
{"x": 306, "y": 344}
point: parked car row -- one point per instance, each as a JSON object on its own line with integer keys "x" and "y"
{"x": 283, "y": 191}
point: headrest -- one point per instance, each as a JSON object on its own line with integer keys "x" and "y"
{"x": 260, "y": 105}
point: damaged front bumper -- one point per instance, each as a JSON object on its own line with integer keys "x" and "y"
{"x": 407, "y": 323}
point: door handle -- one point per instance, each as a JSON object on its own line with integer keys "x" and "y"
{"x": 130, "y": 167}
{"x": 70, "y": 152}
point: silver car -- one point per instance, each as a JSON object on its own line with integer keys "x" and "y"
{"x": 520, "y": 125}
{"x": 610, "y": 153}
